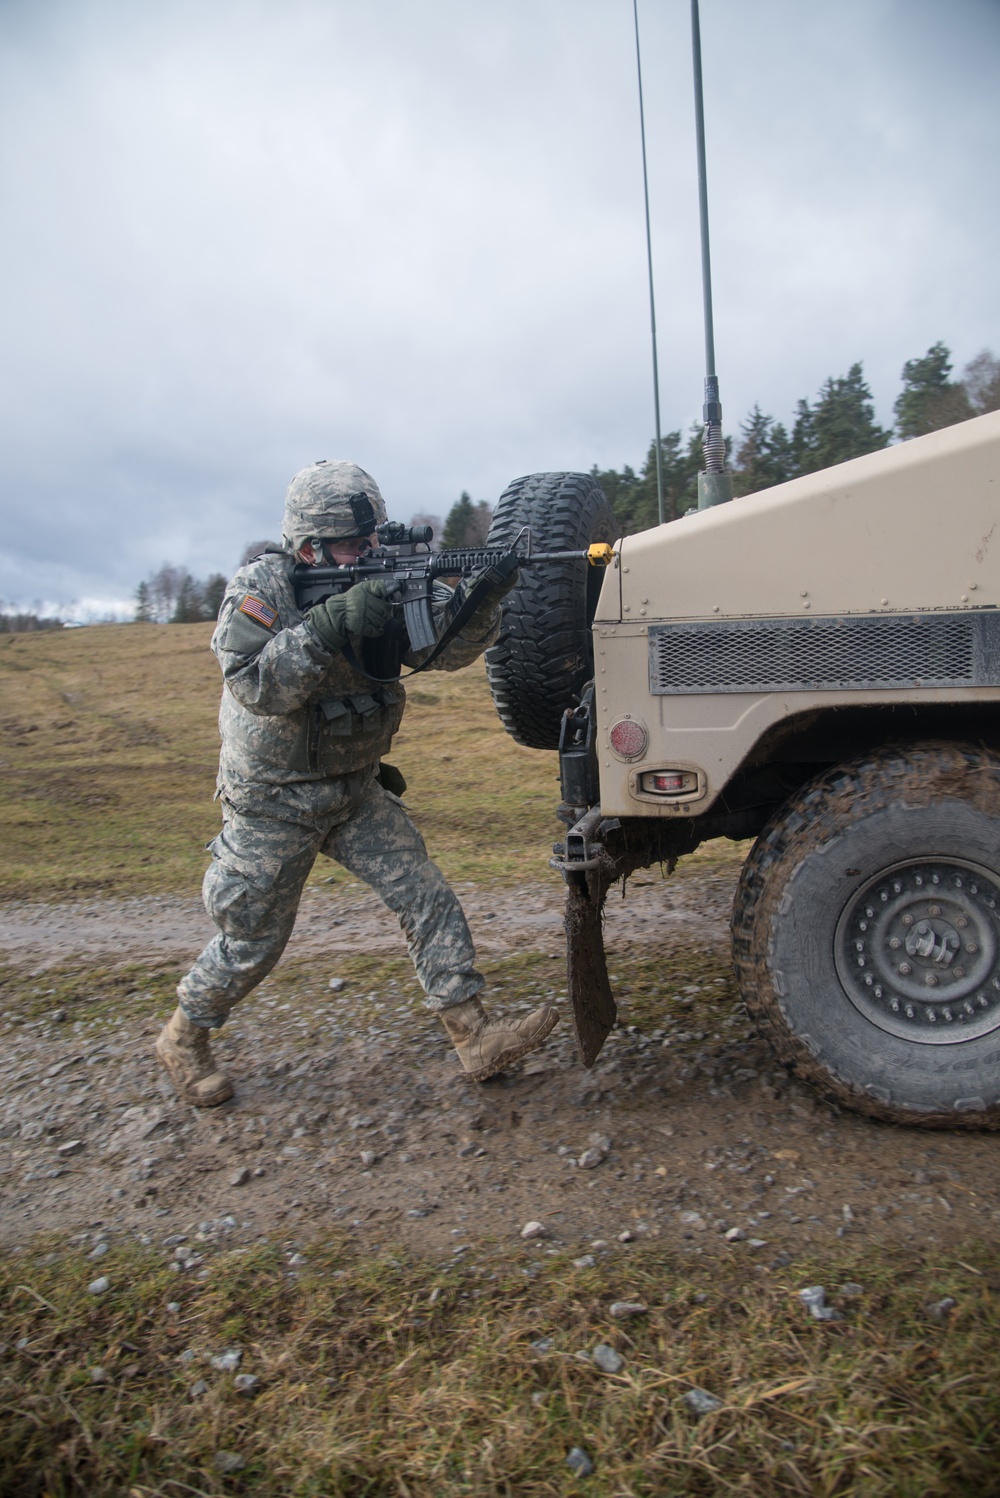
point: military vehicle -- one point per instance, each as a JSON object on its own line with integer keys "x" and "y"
{"x": 817, "y": 667}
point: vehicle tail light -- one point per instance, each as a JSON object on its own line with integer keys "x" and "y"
{"x": 670, "y": 782}
{"x": 628, "y": 738}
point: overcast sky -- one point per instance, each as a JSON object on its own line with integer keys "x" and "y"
{"x": 239, "y": 236}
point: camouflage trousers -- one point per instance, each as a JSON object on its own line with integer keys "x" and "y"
{"x": 253, "y": 887}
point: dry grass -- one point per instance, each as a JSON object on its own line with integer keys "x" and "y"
{"x": 391, "y": 1377}
{"x": 109, "y": 746}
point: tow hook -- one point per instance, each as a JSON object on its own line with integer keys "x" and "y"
{"x": 581, "y": 851}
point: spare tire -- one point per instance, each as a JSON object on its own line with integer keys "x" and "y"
{"x": 545, "y": 653}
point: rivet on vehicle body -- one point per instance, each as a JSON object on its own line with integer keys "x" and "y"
{"x": 715, "y": 608}
{"x": 964, "y": 598}
{"x": 804, "y": 593}
{"x": 807, "y": 604}
{"x": 884, "y": 602}
{"x": 973, "y": 587}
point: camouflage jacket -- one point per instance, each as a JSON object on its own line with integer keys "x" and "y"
{"x": 296, "y": 716}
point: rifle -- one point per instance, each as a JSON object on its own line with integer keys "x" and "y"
{"x": 410, "y": 575}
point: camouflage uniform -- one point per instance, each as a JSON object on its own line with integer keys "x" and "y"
{"x": 302, "y": 735}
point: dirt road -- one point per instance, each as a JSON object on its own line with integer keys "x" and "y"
{"x": 350, "y": 1109}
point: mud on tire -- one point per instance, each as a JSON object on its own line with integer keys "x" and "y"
{"x": 866, "y": 935}
{"x": 544, "y": 653}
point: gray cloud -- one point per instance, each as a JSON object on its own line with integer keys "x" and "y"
{"x": 241, "y": 238}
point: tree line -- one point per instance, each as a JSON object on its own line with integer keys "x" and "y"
{"x": 172, "y": 596}
{"x": 839, "y": 424}
{"x": 15, "y": 621}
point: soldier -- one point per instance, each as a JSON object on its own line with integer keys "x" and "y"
{"x": 303, "y": 733}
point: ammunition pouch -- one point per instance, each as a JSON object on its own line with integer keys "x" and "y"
{"x": 345, "y": 732}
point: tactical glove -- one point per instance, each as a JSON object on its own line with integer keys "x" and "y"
{"x": 362, "y": 610}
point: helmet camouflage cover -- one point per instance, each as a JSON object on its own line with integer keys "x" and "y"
{"x": 332, "y": 501}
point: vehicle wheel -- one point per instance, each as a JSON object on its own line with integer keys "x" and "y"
{"x": 866, "y": 935}
{"x": 545, "y": 651}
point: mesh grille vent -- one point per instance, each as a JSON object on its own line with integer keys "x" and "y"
{"x": 770, "y": 655}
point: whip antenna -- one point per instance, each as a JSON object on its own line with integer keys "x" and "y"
{"x": 715, "y": 485}
{"x": 649, "y": 262}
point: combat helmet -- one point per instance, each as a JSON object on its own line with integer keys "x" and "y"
{"x": 331, "y": 501}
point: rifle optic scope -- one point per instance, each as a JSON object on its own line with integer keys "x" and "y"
{"x": 395, "y": 534}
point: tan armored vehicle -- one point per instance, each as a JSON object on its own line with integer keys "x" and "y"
{"x": 818, "y": 667}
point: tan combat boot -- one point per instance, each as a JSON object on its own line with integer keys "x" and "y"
{"x": 184, "y": 1050}
{"x": 487, "y": 1045}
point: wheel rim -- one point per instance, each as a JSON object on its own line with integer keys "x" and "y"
{"x": 916, "y": 951}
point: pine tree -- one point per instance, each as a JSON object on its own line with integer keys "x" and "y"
{"x": 143, "y": 605}
{"x": 765, "y": 455}
{"x": 190, "y": 605}
{"x": 625, "y": 496}
{"x": 213, "y": 591}
{"x": 840, "y": 426}
{"x": 929, "y": 399}
{"x": 632, "y": 496}
{"x": 461, "y": 518}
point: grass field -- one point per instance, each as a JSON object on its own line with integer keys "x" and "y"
{"x": 399, "y": 1377}
{"x": 109, "y": 747}
{"x": 390, "y": 1375}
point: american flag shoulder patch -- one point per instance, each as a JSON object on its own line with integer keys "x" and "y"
{"x": 259, "y": 610}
